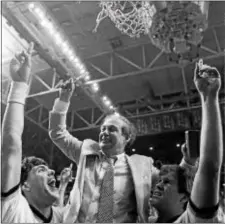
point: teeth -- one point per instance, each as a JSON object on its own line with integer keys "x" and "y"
{"x": 157, "y": 193}
{"x": 51, "y": 183}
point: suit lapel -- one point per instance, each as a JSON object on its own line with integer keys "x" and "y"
{"x": 141, "y": 173}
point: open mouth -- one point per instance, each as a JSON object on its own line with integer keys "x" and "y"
{"x": 105, "y": 139}
{"x": 157, "y": 194}
{"x": 52, "y": 183}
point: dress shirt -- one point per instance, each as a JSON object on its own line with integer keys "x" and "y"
{"x": 124, "y": 209}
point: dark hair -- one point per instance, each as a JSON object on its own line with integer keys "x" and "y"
{"x": 185, "y": 178}
{"x": 27, "y": 164}
{"x": 128, "y": 130}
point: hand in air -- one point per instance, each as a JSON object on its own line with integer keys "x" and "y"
{"x": 66, "y": 175}
{"x": 190, "y": 160}
{"x": 67, "y": 89}
{"x": 20, "y": 66}
{"x": 207, "y": 79}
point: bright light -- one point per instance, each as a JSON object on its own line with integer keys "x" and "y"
{"x": 106, "y": 100}
{"x": 80, "y": 66}
{"x": 95, "y": 87}
{"x": 44, "y": 22}
{"x": 31, "y": 6}
{"x": 76, "y": 60}
{"x": 111, "y": 107}
{"x": 116, "y": 113}
{"x": 39, "y": 13}
{"x": 87, "y": 77}
{"x": 133, "y": 150}
{"x": 83, "y": 71}
{"x": 65, "y": 47}
{"x": 70, "y": 53}
{"x": 71, "y": 57}
{"x": 178, "y": 145}
{"x": 151, "y": 148}
{"x": 58, "y": 39}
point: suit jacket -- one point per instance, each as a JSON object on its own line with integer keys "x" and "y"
{"x": 143, "y": 172}
{"x": 142, "y": 169}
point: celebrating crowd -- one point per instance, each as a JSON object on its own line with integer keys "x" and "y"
{"x": 110, "y": 186}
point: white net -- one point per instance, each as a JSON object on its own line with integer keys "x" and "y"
{"x": 171, "y": 25}
{"x": 130, "y": 17}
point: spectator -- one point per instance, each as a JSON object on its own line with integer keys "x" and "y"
{"x": 175, "y": 185}
{"x": 28, "y": 189}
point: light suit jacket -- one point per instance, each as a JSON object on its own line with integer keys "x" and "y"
{"x": 142, "y": 169}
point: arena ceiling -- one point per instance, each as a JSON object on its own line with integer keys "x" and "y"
{"x": 138, "y": 78}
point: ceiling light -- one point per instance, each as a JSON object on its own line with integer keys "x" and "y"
{"x": 111, "y": 107}
{"x": 40, "y": 13}
{"x": 178, "y": 145}
{"x": 133, "y": 150}
{"x": 65, "y": 47}
{"x": 31, "y": 6}
{"x": 44, "y": 22}
{"x": 116, "y": 113}
{"x": 151, "y": 148}
{"x": 58, "y": 39}
{"x": 87, "y": 77}
{"x": 95, "y": 87}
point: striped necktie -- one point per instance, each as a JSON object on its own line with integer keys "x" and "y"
{"x": 105, "y": 210}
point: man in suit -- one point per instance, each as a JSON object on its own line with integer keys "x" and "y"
{"x": 129, "y": 178}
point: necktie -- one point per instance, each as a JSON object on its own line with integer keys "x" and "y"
{"x": 105, "y": 210}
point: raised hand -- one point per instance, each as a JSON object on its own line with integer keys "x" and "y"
{"x": 20, "y": 66}
{"x": 67, "y": 89}
{"x": 186, "y": 155}
{"x": 207, "y": 79}
{"x": 66, "y": 175}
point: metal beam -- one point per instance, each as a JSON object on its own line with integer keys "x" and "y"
{"x": 144, "y": 70}
{"x": 149, "y": 114}
{"x": 82, "y": 118}
{"x": 155, "y": 59}
{"x": 128, "y": 61}
{"x": 42, "y": 82}
{"x": 98, "y": 69}
{"x": 43, "y": 93}
{"x": 143, "y": 55}
{"x": 216, "y": 40}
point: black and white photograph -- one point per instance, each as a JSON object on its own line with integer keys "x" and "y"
{"x": 112, "y": 111}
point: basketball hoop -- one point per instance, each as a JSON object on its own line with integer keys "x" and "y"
{"x": 172, "y": 26}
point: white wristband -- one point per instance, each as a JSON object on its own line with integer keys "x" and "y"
{"x": 60, "y": 106}
{"x": 18, "y": 92}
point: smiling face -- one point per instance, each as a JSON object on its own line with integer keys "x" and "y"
{"x": 41, "y": 182}
{"x": 112, "y": 137}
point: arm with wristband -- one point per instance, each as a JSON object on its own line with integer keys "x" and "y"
{"x": 13, "y": 120}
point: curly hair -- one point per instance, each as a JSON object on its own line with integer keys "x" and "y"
{"x": 27, "y": 164}
{"x": 128, "y": 130}
{"x": 185, "y": 179}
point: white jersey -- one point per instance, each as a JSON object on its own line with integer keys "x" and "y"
{"x": 15, "y": 209}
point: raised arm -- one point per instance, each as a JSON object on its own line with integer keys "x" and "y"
{"x": 205, "y": 191}
{"x": 65, "y": 178}
{"x": 13, "y": 121}
{"x": 58, "y": 132}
